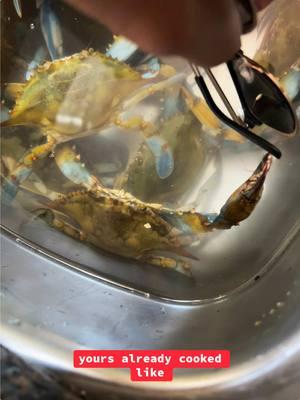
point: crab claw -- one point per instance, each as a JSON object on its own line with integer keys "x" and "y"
{"x": 164, "y": 161}
{"x": 242, "y": 202}
{"x": 18, "y": 7}
{"x": 11, "y": 184}
{"x": 51, "y": 30}
{"x": 71, "y": 166}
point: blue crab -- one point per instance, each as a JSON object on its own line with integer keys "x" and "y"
{"x": 77, "y": 96}
{"x": 87, "y": 92}
{"x": 118, "y": 222}
{"x": 280, "y": 43}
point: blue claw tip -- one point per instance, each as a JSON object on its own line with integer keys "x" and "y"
{"x": 18, "y": 7}
{"x": 76, "y": 172}
{"x": 11, "y": 184}
{"x": 164, "y": 161}
{"x": 51, "y": 30}
{"x": 8, "y": 192}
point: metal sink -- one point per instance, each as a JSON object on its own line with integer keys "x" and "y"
{"x": 59, "y": 295}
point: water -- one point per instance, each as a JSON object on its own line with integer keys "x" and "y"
{"x": 187, "y": 164}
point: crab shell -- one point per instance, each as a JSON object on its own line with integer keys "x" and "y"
{"x": 72, "y": 95}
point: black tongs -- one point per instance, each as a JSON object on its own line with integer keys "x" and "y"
{"x": 261, "y": 99}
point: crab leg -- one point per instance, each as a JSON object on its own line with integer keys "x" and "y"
{"x": 208, "y": 119}
{"x": 24, "y": 168}
{"x": 164, "y": 160}
{"x": 52, "y": 217}
{"x": 167, "y": 262}
{"x": 153, "y": 88}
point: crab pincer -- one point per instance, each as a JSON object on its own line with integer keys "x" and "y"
{"x": 242, "y": 202}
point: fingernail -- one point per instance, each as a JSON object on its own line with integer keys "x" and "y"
{"x": 247, "y": 11}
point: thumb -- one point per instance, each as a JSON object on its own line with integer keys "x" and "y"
{"x": 206, "y": 32}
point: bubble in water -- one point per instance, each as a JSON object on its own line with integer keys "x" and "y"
{"x": 32, "y": 26}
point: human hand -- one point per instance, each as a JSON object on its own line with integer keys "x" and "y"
{"x": 206, "y": 32}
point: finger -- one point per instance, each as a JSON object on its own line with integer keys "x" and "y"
{"x": 204, "y": 31}
{"x": 260, "y": 4}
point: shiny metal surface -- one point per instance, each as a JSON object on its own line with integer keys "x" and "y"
{"x": 245, "y": 298}
{"x": 46, "y": 321}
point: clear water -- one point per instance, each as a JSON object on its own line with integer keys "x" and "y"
{"x": 208, "y": 168}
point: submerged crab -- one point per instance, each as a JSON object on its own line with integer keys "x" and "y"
{"x": 280, "y": 43}
{"x": 77, "y": 96}
{"x": 83, "y": 94}
{"x": 119, "y": 223}
{"x": 188, "y": 128}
